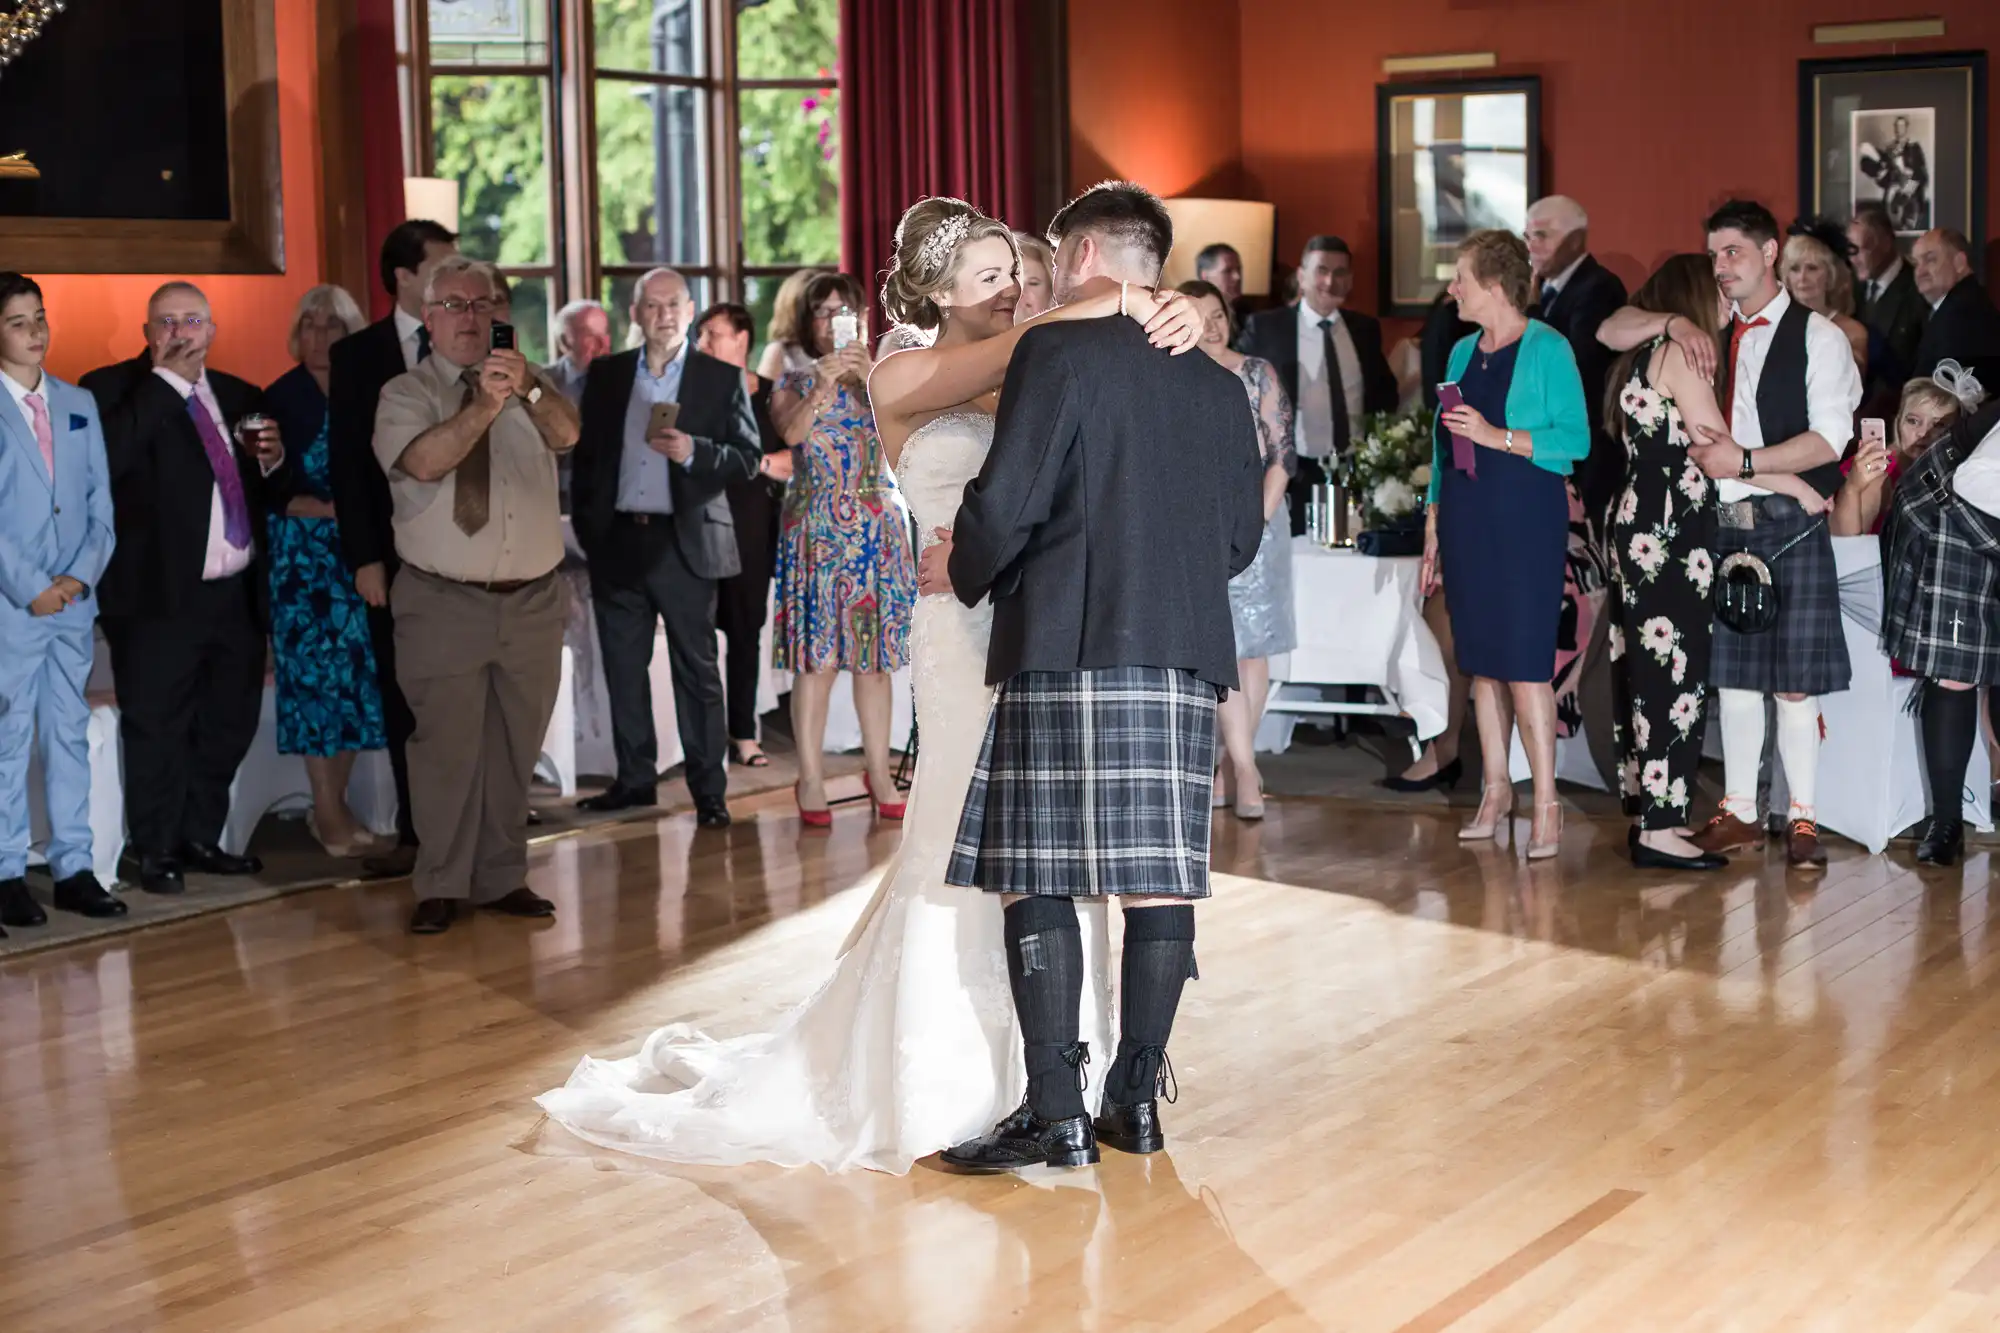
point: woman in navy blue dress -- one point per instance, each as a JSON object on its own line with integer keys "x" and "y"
{"x": 1498, "y": 529}
{"x": 328, "y": 706}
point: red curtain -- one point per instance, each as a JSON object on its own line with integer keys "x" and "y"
{"x": 381, "y": 132}
{"x": 934, "y": 99}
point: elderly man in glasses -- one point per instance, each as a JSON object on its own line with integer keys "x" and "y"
{"x": 470, "y": 440}
{"x": 184, "y": 603}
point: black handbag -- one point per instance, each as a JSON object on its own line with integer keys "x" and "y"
{"x": 1745, "y": 596}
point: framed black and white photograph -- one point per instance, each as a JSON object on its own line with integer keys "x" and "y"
{"x": 1452, "y": 158}
{"x": 1892, "y": 152}
{"x": 1903, "y": 133}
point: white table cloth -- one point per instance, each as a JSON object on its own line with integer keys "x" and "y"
{"x": 1360, "y": 622}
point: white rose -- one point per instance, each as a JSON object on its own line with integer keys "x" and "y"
{"x": 1422, "y": 476}
{"x": 1393, "y": 498}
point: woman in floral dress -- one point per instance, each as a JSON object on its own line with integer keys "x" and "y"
{"x": 847, "y": 579}
{"x": 1662, "y": 567}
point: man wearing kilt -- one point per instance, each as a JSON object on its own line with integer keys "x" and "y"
{"x": 1941, "y": 607}
{"x": 1790, "y": 389}
{"x": 1121, "y": 495}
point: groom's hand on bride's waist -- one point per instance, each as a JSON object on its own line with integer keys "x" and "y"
{"x": 934, "y": 567}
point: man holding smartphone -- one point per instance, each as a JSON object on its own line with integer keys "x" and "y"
{"x": 666, "y": 431}
{"x": 469, "y": 441}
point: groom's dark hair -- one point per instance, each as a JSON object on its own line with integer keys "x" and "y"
{"x": 1127, "y": 214}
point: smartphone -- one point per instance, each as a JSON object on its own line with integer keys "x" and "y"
{"x": 664, "y": 417}
{"x": 503, "y": 336}
{"x": 846, "y": 328}
{"x": 1449, "y": 397}
{"x": 1875, "y": 429}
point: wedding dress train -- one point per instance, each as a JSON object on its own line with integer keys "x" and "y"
{"x": 911, "y": 1044}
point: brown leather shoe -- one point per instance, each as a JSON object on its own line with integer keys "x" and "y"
{"x": 1802, "y": 845}
{"x": 1727, "y": 833}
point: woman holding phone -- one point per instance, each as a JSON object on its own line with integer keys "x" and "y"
{"x": 847, "y": 578}
{"x": 1513, "y": 425}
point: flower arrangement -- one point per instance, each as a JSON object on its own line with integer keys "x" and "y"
{"x": 1388, "y": 469}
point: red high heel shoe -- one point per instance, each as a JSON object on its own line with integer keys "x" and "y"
{"x": 883, "y": 808}
{"x": 816, "y": 819}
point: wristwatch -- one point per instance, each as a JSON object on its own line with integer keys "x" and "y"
{"x": 533, "y": 395}
{"x": 1749, "y": 468}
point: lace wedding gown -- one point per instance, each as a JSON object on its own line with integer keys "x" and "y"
{"x": 911, "y": 1045}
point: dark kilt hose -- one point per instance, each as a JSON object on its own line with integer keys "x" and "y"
{"x": 1092, "y": 782}
{"x": 1940, "y": 578}
{"x": 1805, "y": 652}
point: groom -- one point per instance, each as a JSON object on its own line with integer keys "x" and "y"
{"x": 1122, "y": 493}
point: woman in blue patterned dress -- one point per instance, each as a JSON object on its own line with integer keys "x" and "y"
{"x": 328, "y": 706}
{"x": 847, "y": 580}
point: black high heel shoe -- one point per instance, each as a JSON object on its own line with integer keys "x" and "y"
{"x": 1445, "y": 779}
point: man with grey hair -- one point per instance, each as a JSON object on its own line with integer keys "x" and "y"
{"x": 185, "y": 603}
{"x": 1575, "y": 294}
{"x": 469, "y": 440}
{"x": 666, "y": 431}
{"x": 582, "y": 334}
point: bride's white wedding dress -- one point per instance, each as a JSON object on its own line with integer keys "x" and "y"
{"x": 912, "y": 1044}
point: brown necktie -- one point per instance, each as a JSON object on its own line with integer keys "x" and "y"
{"x": 472, "y": 489}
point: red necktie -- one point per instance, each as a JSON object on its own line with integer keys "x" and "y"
{"x": 1736, "y": 332}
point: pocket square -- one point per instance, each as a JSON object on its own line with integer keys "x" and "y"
{"x": 78, "y": 421}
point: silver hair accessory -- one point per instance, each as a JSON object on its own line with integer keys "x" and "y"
{"x": 937, "y": 248}
{"x": 1960, "y": 383}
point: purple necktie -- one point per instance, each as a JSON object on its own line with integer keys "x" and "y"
{"x": 235, "y": 513}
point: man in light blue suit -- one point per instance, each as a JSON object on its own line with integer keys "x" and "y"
{"x": 55, "y": 540}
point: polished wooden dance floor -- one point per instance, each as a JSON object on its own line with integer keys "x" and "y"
{"x": 1422, "y": 1088}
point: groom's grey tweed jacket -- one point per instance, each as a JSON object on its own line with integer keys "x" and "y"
{"x": 1123, "y": 491}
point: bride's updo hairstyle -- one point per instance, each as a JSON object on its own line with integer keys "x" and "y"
{"x": 930, "y": 238}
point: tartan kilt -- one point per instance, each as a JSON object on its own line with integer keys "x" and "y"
{"x": 1806, "y": 651}
{"x": 1092, "y": 782}
{"x": 1940, "y": 602}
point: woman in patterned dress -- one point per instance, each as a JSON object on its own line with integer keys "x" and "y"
{"x": 847, "y": 580}
{"x": 329, "y": 708}
{"x": 1662, "y": 568}
{"x": 1260, "y": 598}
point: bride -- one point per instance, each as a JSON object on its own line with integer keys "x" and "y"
{"x": 910, "y": 1046}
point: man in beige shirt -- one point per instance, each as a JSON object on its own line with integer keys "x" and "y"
{"x": 470, "y": 440}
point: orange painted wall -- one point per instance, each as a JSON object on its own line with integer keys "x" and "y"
{"x": 1640, "y": 118}
{"x": 94, "y": 318}
{"x": 1154, "y": 94}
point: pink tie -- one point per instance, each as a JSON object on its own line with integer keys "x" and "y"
{"x": 43, "y": 436}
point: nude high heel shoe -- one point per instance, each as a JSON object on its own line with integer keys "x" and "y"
{"x": 1540, "y": 847}
{"x": 1485, "y": 826}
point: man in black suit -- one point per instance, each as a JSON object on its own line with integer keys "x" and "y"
{"x": 1964, "y": 326}
{"x": 1329, "y": 359}
{"x": 362, "y": 364}
{"x": 1575, "y": 294}
{"x": 184, "y": 603}
{"x": 651, "y": 507}
{"x": 1886, "y": 298}
{"x": 1110, "y": 647}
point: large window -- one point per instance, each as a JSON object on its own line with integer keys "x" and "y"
{"x": 595, "y": 139}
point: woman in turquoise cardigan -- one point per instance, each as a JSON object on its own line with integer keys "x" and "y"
{"x": 1498, "y": 528}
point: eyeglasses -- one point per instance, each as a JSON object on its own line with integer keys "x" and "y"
{"x": 192, "y": 324}
{"x": 455, "y": 305}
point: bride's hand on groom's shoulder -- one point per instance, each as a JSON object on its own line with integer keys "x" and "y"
{"x": 1171, "y": 319}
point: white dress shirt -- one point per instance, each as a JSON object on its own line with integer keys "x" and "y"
{"x": 19, "y": 394}
{"x": 1833, "y": 387}
{"x": 408, "y": 327}
{"x": 1312, "y": 424}
{"x": 1977, "y": 480}
{"x": 222, "y": 560}
{"x": 1876, "y": 286}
